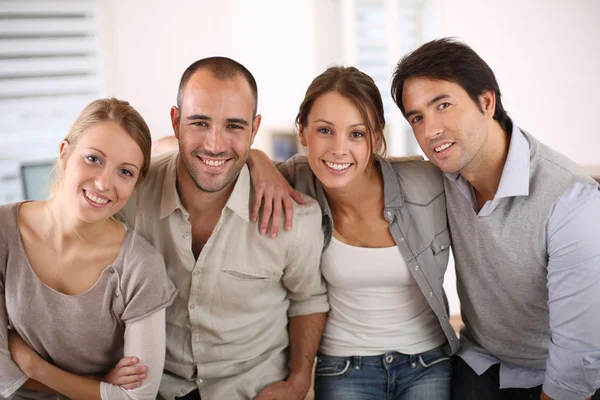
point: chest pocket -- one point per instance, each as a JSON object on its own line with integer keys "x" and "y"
{"x": 440, "y": 246}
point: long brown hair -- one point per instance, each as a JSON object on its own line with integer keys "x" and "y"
{"x": 359, "y": 88}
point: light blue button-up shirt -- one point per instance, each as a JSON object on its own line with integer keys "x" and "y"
{"x": 573, "y": 247}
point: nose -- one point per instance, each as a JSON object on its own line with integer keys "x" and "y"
{"x": 103, "y": 180}
{"x": 214, "y": 141}
{"x": 433, "y": 127}
{"x": 339, "y": 146}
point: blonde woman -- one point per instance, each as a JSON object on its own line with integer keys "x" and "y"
{"x": 78, "y": 289}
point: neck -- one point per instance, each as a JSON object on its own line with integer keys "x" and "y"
{"x": 197, "y": 201}
{"x": 485, "y": 171}
{"x": 364, "y": 193}
{"x": 63, "y": 229}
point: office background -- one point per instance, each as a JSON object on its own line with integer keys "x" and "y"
{"x": 57, "y": 55}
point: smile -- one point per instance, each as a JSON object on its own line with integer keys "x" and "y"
{"x": 95, "y": 199}
{"x": 213, "y": 163}
{"x": 442, "y": 147}
{"x": 337, "y": 166}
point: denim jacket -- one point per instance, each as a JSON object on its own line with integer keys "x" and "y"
{"x": 415, "y": 207}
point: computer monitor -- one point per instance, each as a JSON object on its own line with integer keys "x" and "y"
{"x": 36, "y": 178}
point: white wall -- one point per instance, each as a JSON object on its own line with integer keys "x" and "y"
{"x": 546, "y": 57}
{"x": 144, "y": 56}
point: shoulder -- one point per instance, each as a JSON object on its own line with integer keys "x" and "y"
{"x": 419, "y": 180}
{"x": 10, "y": 229}
{"x": 297, "y": 171}
{"x": 140, "y": 258}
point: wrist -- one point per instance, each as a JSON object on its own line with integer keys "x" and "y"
{"x": 300, "y": 380}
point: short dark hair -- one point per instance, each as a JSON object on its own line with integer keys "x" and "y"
{"x": 447, "y": 59}
{"x": 357, "y": 87}
{"x": 222, "y": 68}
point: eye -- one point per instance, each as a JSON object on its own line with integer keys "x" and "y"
{"x": 234, "y": 126}
{"x": 357, "y": 135}
{"x": 416, "y": 119}
{"x": 126, "y": 172}
{"x": 325, "y": 131}
{"x": 92, "y": 159}
{"x": 200, "y": 123}
{"x": 443, "y": 106}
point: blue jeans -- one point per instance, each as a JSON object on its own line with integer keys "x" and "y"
{"x": 392, "y": 375}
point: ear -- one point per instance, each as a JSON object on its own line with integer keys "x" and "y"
{"x": 302, "y": 135}
{"x": 63, "y": 149}
{"x": 255, "y": 125}
{"x": 487, "y": 102}
{"x": 175, "y": 121}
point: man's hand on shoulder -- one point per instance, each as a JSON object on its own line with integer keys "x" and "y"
{"x": 291, "y": 389}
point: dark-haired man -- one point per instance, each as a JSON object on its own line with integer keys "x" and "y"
{"x": 525, "y": 228}
{"x": 251, "y": 309}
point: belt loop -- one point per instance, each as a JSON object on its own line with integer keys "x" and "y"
{"x": 356, "y": 362}
{"x": 414, "y": 359}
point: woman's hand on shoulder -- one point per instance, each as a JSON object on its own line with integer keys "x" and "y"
{"x": 271, "y": 191}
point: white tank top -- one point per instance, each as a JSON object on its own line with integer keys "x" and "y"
{"x": 376, "y": 305}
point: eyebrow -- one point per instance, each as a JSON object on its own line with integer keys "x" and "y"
{"x": 331, "y": 123}
{"x": 429, "y": 103}
{"x": 200, "y": 117}
{"x": 104, "y": 155}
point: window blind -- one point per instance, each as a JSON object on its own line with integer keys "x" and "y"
{"x": 48, "y": 72}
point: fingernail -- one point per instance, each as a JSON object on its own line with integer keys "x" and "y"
{"x": 288, "y": 228}
{"x": 273, "y": 235}
{"x": 133, "y": 359}
{"x": 263, "y": 231}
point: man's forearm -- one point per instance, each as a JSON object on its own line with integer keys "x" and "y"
{"x": 305, "y": 336}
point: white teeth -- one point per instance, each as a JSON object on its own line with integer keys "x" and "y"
{"x": 337, "y": 167}
{"x": 214, "y": 163}
{"x": 95, "y": 199}
{"x": 443, "y": 147}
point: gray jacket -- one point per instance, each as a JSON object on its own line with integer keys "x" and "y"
{"x": 415, "y": 206}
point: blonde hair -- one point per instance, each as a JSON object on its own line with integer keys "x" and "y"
{"x": 110, "y": 109}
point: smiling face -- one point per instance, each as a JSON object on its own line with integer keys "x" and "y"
{"x": 450, "y": 128}
{"x": 336, "y": 142}
{"x": 215, "y": 128}
{"x": 100, "y": 171}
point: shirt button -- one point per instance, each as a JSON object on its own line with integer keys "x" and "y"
{"x": 442, "y": 247}
{"x": 116, "y": 294}
{"x": 186, "y": 236}
{"x": 388, "y": 214}
{"x": 199, "y": 380}
{"x": 401, "y": 239}
{"x": 389, "y": 359}
{"x": 196, "y": 273}
{"x": 192, "y": 306}
{"x": 111, "y": 270}
{"x": 430, "y": 294}
{"x": 416, "y": 267}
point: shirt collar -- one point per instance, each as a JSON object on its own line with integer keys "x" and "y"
{"x": 170, "y": 201}
{"x": 515, "y": 174}
{"x": 238, "y": 201}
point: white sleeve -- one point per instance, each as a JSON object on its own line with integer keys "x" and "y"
{"x": 144, "y": 339}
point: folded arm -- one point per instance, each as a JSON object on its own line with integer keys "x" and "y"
{"x": 144, "y": 337}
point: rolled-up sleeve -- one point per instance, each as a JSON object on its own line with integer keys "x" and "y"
{"x": 302, "y": 276}
{"x": 573, "y": 232}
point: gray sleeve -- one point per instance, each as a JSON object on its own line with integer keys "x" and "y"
{"x": 145, "y": 284}
{"x": 573, "y": 229}
{"x": 11, "y": 377}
